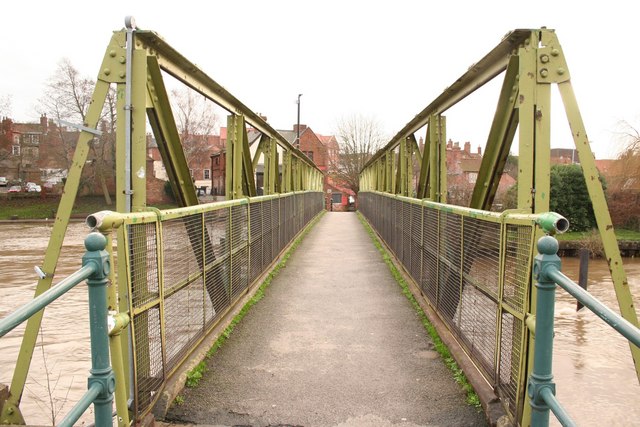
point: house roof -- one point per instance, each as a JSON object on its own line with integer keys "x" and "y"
{"x": 290, "y": 135}
{"x": 470, "y": 165}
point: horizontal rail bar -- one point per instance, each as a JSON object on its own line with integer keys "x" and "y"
{"x": 616, "y": 321}
{"x": 107, "y": 220}
{"x": 557, "y": 409}
{"x": 83, "y": 404}
{"x": 32, "y": 307}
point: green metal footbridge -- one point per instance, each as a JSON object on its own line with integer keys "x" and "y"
{"x": 161, "y": 282}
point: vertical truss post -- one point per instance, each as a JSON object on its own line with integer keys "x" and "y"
{"x": 235, "y": 138}
{"x": 526, "y": 118}
{"x": 402, "y": 167}
{"x": 437, "y": 159}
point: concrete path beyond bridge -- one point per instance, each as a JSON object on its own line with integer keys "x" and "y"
{"x": 333, "y": 343}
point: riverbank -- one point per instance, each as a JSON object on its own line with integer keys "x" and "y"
{"x": 44, "y": 207}
{"x": 38, "y": 208}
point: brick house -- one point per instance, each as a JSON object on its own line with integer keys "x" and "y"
{"x": 198, "y": 155}
{"x": 43, "y": 152}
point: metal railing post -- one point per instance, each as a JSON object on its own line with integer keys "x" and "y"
{"x": 541, "y": 379}
{"x": 101, "y": 372}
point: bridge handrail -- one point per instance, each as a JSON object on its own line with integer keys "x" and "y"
{"x": 95, "y": 269}
{"x": 547, "y": 273}
{"x": 613, "y": 319}
{"x": 24, "y": 312}
{"x": 217, "y": 249}
{"x": 549, "y": 222}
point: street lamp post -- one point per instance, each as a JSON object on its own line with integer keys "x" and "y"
{"x": 298, "y": 128}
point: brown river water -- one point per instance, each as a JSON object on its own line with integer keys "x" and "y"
{"x": 595, "y": 378}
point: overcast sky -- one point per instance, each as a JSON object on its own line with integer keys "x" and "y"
{"x": 386, "y": 59}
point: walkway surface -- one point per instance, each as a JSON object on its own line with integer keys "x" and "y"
{"x": 333, "y": 343}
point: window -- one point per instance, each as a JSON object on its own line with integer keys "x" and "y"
{"x": 336, "y": 198}
{"x": 206, "y": 174}
{"x": 15, "y": 150}
{"x": 309, "y": 154}
{"x": 473, "y": 177}
{"x": 217, "y": 160}
{"x": 31, "y": 139}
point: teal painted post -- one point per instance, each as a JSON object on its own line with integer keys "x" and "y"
{"x": 101, "y": 372}
{"x": 541, "y": 379}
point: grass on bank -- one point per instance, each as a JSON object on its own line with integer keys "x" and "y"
{"x": 441, "y": 348}
{"x": 195, "y": 375}
{"x": 36, "y": 207}
{"x": 628, "y": 235}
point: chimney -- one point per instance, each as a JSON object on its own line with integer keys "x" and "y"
{"x": 44, "y": 123}
{"x": 479, "y": 151}
{"x": 449, "y": 144}
{"x": 456, "y": 146}
{"x": 467, "y": 147}
{"x": 421, "y": 143}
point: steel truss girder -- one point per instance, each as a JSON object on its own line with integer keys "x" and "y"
{"x": 534, "y": 61}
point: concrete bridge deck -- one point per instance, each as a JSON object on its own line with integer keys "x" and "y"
{"x": 333, "y": 343}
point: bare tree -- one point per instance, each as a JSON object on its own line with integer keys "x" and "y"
{"x": 67, "y": 97}
{"x": 196, "y": 120}
{"x": 359, "y": 137}
{"x": 623, "y": 180}
{"x": 5, "y": 106}
{"x": 5, "y": 112}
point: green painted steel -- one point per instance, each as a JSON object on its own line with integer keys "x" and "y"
{"x": 185, "y": 268}
{"x": 101, "y": 385}
{"x": 541, "y": 377}
{"x": 134, "y": 61}
{"x": 11, "y": 410}
{"x": 534, "y": 61}
{"x": 41, "y": 301}
{"x": 613, "y": 319}
{"x": 541, "y": 388}
{"x": 474, "y": 268}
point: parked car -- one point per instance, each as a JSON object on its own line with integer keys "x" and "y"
{"x": 29, "y": 185}
{"x": 34, "y": 188}
{"x": 15, "y": 189}
{"x": 3, "y": 181}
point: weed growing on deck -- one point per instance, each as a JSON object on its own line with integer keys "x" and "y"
{"x": 195, "y": 375}
{"x": 441, "y": 348}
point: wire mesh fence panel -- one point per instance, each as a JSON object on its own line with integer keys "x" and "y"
{"x": 267, "y": 235}
{"x": 150, "y": 370}
{"x": 143, "y": 263}
{"x": 518, "y": 258}
{"x": 510, "y": 363}
{"x": 256, "y": 250}
{"x": 468, "y": 265}
{"x": 415, "y": 243}
{"x": 184, "y": 321}
{"x": 217, "y": 263}
{"x": 481, "y": 264}
{"x": 430, "y": 235}
{"x": 449, "y": 267}
{"x": 182, "y": 251}
{"x": 276, "y": 244}
{"x": 239, "y": 250}
{"x": 478, "y": 328}
{"x": 185, "y": 271}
